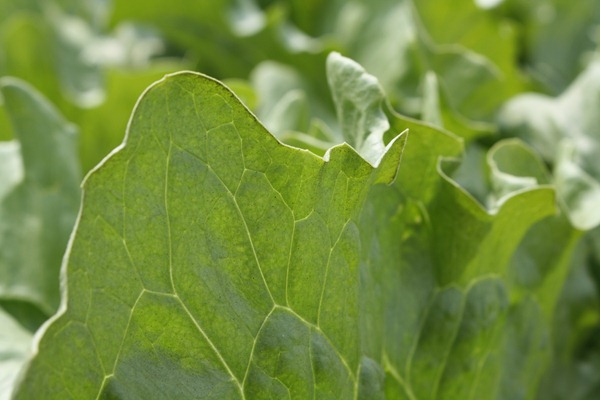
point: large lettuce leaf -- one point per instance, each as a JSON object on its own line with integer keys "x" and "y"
{"x": 231, "y": 266}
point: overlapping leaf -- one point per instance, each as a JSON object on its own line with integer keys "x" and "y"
{"x": 39, "y": 197}
{"x": 565, "y": 131}
{"x": 39, "y": 206}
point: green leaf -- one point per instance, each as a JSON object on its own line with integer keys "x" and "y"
{"x": 162, "y": 281}
{"x": 103, "y": 127}
{"x": 437, "y": 111}
{"x": 440, "y": 265}
{"x": 229, "y": 38}
{"x": 10, "y": 7}
{"x": 479, "y": 30}
{"x": 580, "y": 192}
{"x": 80, "y": 76}
{"x": 15, "y": 343}
{"x": 39, "y": 199}
{"x": 11, "y": 167}
{"x": 282, "y": 103}
{"x": 565, "y": 131}
{"x": 388, "y": 41}
{"x": 558, "y": 37}
{"x": 358, "y": 99}
{"x": 513, "y": 167}
{"x": 51, "y": 50}
{"x": 232, "y": 266}
{"x": 27, "y": 53}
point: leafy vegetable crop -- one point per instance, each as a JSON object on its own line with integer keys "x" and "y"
{"x": 346, "y": 199}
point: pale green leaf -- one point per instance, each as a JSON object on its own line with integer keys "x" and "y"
{"x": 514, "y": 167}
{"x": 283, "y": 104}
{"x": 39, "y": 204}
{"x": 388, "y": 41}
{"x": 15, "y": 343}
{"x": 358, "y": 100}
{"x": 50, "y": 49}
{"x": 80, "y": 76}
{"x": 565, "y": 131}
{"x": 580, "y": 192}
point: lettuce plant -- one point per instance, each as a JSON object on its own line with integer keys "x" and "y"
{"x": 292, "y": 233}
